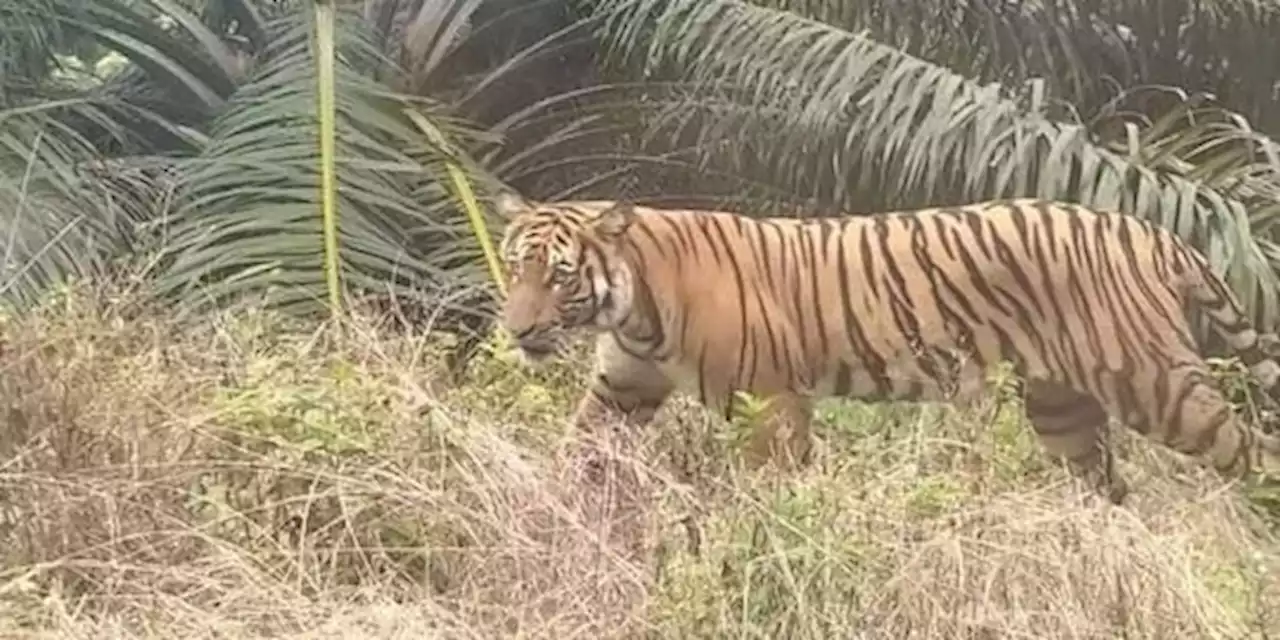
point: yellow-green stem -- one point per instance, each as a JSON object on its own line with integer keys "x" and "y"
{"x": 326, "y": 111}
{"x": 462, "y": 190}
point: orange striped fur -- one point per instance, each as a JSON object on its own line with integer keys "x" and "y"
{"x": 1088, "y": 306}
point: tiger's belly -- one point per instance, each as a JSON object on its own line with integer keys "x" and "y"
{"x": 922, "y": 375}
{"x": 937, "y": 376}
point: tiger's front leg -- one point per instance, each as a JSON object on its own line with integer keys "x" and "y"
{"x": 609, "y": 402}
{"x": 624, "y": 391}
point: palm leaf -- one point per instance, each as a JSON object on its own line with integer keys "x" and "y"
{"x": 1110, "y": 63}
{"x": 197, "y": 77}
{"x": 864, "y": 126}
{"x": 30, "y": 43}
{"x": 71, "y": 210}
{"x": 326, "y": 114}
{"x": 64, "y": 215}
{"x": 1085, "y": 50}
{"x": 247, "y": 223}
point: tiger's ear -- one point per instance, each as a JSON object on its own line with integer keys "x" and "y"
{"x": 613, "y": 222}
{"x": 509, "y": 205}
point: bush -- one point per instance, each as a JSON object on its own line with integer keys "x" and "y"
{"x": 257, "y": 476}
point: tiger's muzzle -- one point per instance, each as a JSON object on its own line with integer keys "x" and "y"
{"x": 537, "y": 350}
{"x": 537, "y": 344}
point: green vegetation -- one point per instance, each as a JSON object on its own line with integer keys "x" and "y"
{"x": 181, "y": 137}
{"x": 197, "y": 441}
{"x": 255, "y": 476}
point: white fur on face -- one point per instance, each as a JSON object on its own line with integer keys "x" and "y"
{"x": 622, "y": 293}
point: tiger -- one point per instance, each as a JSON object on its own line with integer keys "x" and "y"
{"x": 1088, "y": 306}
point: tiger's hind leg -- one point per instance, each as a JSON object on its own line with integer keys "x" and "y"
{"x": 1072, "y": 426}
{"x": 782, "y": 433}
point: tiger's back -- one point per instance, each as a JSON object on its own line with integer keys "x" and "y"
{"x": 1088, "y": 306}
{"x": 890, "y": 306}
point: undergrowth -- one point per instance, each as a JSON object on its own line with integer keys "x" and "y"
{"x": 254, "y": 476}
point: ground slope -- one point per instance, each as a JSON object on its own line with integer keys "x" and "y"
{"x": 255, "y": 477}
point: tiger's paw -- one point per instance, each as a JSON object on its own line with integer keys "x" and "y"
{"x": 1097, "y": 486}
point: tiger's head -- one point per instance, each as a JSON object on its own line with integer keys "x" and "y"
{"x": 565, "y": 270}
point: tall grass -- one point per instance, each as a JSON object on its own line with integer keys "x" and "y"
{"x": 260, "y": 477}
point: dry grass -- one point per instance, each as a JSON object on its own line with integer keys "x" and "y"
{"x": 255, "y": 478}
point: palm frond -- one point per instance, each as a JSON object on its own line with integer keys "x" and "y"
{"x": 68, "y": 210}
{"x": 65, "y": 215}
{"x": 1120, "y": 63}
{"x": 33, "y": 43}
{"x": 863, "y": 126}
{"x": 248, "y": 219}
{"x": 1210, "y": 145}
{"x": 1086, "y": 51}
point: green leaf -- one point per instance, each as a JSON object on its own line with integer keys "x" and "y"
{"x": 864, "y": 126}
{"x": 247, "y": 225}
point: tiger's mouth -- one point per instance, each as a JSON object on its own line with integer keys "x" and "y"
{"x": 537, "y": 352}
